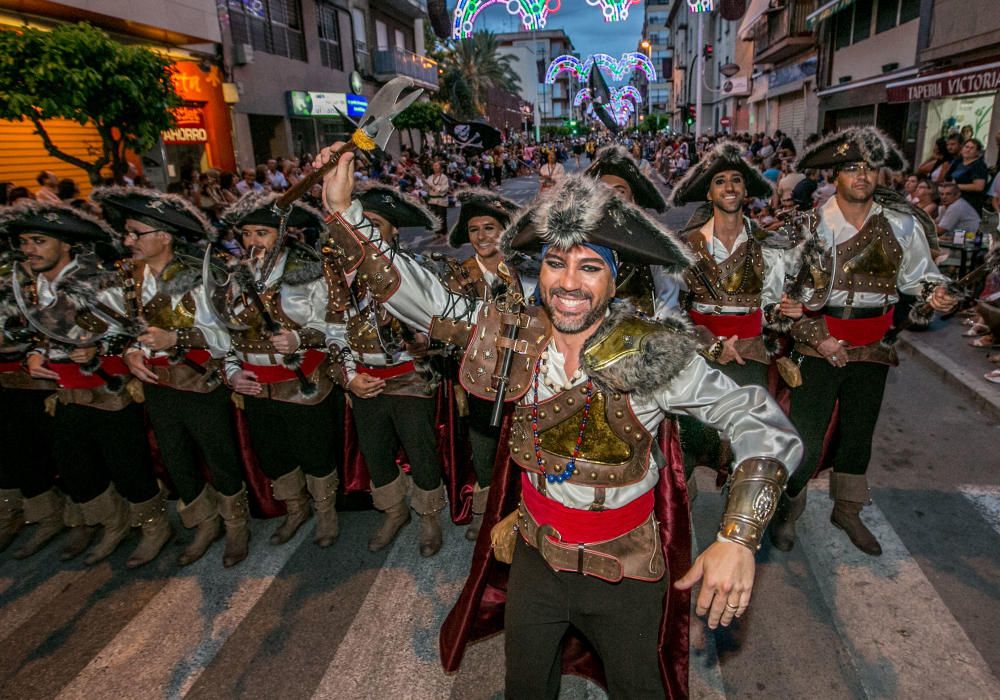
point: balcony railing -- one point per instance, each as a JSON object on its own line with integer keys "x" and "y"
{"x": 392, "y": 62}
{"x": 785, "y": 32}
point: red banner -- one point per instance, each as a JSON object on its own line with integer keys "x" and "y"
{"x": 965, "y": 81}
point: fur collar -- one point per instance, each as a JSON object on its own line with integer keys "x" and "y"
{"x": 665, "y": 348}
{"x": 179, "y": 277}
{"x": 301, "y": 267}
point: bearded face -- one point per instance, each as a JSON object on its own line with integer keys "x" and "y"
{"x": 576, "y": 287}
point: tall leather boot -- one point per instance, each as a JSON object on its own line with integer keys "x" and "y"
{"x": 291, "y": 488}
{"x": 323, "y": 490}
{"x": 151, "y": 516}
{"x": 480, "y": 496}
{"x": 201, "y": 515}
{"x": 391, "y": 500}
{"x": 11, "y": 518}
{"x": 80, "y": 534}
{"x": 46, "y": 509}
{"x": 427, "y": 504}
{"x": 235, "y": 512}
{"x": 782, "y": 530}
{"x": 111, "y": 512}
{"x": 850, "y": 493}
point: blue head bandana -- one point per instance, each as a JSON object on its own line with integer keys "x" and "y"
{"x": 606, "y": 254}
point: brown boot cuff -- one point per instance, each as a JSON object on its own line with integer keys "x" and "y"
{"x": 204, "y": 507}
{"x": 289, "y": 486}
{"x": 850, "y": 487}
{"x": 385, "y": 497}
{"x": 428, "y": 502}
{"x": 236, "y": 508}
{"x": 148, "y": 512}
{"x": 73, "y": 514}
{"x": 323, "y": 490}
{"x": 480, "y": 496}
{"x": 102, "y": 509}
{"x": 43, "y": 506}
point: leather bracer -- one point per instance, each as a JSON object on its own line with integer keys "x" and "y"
{"x": 754, "y": 490}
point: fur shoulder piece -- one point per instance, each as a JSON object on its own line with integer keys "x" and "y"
{"x": 180, "y": 276}
{"x": 633, "y": 353}
{"x": 302, "y": 266}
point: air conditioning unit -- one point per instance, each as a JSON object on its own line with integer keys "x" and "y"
{"x": 242, "y": 54}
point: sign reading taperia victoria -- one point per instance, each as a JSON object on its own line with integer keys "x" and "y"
{"x": 966, "y": 81}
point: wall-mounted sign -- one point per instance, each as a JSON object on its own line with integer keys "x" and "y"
{"x": 736, "y": 86}
{"x": 190, "y": 126}
{"x": 356, "y": 83}
{"x": 326, "y": 104}
{"x": 964, "y": 81}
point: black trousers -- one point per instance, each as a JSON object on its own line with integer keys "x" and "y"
{"x": 621, "y": 620}
{"x": 484, "y": 439}
{"x": 290, "y": 435}
{"x": 701, "y": 444}
{"x": 94, "y": 448}
{"x": 25, "y": 433}
{"x": 188, "y": 424}
{"x": 386, "y": 422}
{"x": 859, "y": 387}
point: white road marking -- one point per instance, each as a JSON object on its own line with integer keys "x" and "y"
{"x": 986, "y": 500}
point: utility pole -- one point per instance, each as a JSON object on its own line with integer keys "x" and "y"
{"x": 700, "y": 48}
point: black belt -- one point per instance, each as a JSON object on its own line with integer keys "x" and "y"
{"x": 849, "y": 312}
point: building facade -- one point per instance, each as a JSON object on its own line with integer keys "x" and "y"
{"x": 655, "y": 42}
{"x": 555, "y": 102}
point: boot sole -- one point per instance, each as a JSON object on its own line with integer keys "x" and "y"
{"x": 871, "y": 553}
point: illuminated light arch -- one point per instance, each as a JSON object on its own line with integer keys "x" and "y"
{"x": 617, "y": 69}
{"x": 613, "y": 10}
{"x": 562, "y": 64}
{"x": 533, "y": 13}
{"x": 630, "y": 91}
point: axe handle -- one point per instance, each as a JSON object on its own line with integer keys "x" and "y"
{"x": 297, "y": 190}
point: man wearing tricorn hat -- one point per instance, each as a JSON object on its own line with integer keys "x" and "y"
{"x": 870, "y": 254}
{"x": 178, "y": 354}
{"x": 392, "y": 388}
{"x": 736, "y": 286}
{"x": 592, "y": 380}
{"x": 99, "y": 437}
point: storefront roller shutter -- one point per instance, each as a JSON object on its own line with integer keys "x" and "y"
{"x": 22, "y": 155}
{"x": 792, "y": 117}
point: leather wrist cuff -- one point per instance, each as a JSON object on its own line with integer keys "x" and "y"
{"x": 310, "y": 338}
{"x": 754, "y": 489}
{"x": 810, "y": 331}
{"x": 190, "y": 339}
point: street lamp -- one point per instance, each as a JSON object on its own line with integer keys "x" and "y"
{"x": 648, "y": 48}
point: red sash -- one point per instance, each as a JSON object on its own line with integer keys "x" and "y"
{"x": 8, "y": 367}
{"x": 583, "y": 526}
{"x": 71, "y": 376}
{"x": 386, "y": 372}
{"x": 198, "y": 356}
{"x": 860, "y": 331}
{"x": 727, "y": 325}
{"x": 272, "y": 374}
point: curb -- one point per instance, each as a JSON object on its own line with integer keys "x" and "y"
{"x": 970, "y": 383}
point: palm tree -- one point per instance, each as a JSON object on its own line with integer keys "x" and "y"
{"x": 470, "y": 69}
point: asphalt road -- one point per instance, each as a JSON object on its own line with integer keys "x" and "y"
{"x": 298, "y": 622}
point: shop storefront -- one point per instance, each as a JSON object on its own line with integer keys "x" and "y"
{"x": 963, "y": 100}
{"x": 318, "y": 118}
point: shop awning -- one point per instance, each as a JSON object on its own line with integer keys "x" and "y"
{"x": 827, "y": 11}
{"x": 758, "y": 8}
{"x": 962, "y": 81}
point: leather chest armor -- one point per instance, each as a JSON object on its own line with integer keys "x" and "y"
{"x": 374, "y": 331}
{"x": 738, "y": 281}
{"x": 615, "y": 447}
{"x": 161, "y": 313}
{"x": 635, "y": 283}
{"x": 255, "y": 339}
{"x": 869, "y": 261}
{"x": 466, "y": 278}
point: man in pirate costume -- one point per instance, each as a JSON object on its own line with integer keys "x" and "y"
{"x": 649, "y": 287}
{"x": 280, "y": 364}
{"x": 482, "y": 217}
{"x": 593, "y": 381}
{"x": 392, "y": 387}
{"x": 98, "y": 436}
{"x": 27, "y": 493}
{"x": 735, "y": 289}
{"x": 869, "y": 254}
{"x": 178, "y": 354}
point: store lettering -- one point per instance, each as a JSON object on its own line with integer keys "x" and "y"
{"x": 924, "y": 92}
{"x": 979, "y": 82}
{"x": 185, "y": 135}
{"x": 935, "y": 88}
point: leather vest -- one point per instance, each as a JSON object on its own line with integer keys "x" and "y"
{"x": 635, "y": 283}
{"x": 615, "y": 447}
{"x": 738, "y": 281}
{"x": 255, "y": 339}
{"x": 869, "y": 261}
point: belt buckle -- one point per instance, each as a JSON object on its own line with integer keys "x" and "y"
{"x": 543, "y": 532}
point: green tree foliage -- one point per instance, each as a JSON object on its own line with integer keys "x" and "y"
{"x": 654, "y": 122}
{"x": 423, "y": 116}
{"x": 469, "y": 70}
{"x": 78, "y": 72}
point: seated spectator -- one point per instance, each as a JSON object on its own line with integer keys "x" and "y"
{"x": 826, "y": 189}
{"x": 927, "y": 197}
{"x": 248, "y": 183}
{"x": 773, "y": 171}
{"x": 955, "y": 214}
{"x": 48, "y": 184}
{"x": 910, "y": 188}
{"x": 275, "y": 177}
{"x": 937, "y": 165}
{"x": 19, "y": 193}
{"x": 970, "y": 173}
{"x": 804, "y": 190}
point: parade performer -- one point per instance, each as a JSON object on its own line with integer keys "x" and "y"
{"x": 98, "y": 436}
{"x": 868, "y": 255}
{"x": 482, "y": 217}
{"x": 27, "y": 491}
{"x": 736, "y": 286}
{"x": 393, "y": 387}
{"x": 275, "y": 310}
{"x": 593, "y": 380}
{"x": 179, "y": 354}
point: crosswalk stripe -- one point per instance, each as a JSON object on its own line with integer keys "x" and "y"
{"x": 986, "y": 500}
{"x": 901, "y": 637}
{"x": 163, "y": 649}
{"x": 391, "y": 649}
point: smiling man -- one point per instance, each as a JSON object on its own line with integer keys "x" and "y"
{"x": 592, "y": 381}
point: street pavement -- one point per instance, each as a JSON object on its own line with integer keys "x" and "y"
{"x": 298, "y": 622}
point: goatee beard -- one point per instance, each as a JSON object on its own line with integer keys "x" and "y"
{"x": 578, "y": 325}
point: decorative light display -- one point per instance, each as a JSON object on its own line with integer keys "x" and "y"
{"x": 624, "y": 101}
{"x": 533, "y": 13}
{"x": 700, "y": 5}
{"x": 614, "y": 10}
{"x": 616, "y": 69}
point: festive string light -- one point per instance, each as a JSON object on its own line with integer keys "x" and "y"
{"x": 701, "y": 5}
{"x": 617, "y": 69}
{"x": 533, "y": 13}
{"x": 624, "y": 101}
{"x": 614, "y": 10}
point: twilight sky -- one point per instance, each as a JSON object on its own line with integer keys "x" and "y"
{"x": 582, "y": 22}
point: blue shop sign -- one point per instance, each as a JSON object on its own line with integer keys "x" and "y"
{"x": 356, "y": 105}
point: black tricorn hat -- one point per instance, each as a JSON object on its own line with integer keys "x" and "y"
{"x": 853, "y": 145}
{"x": 727, "y": 155}
{"x": 580, "y": 210}
{"x": 477, "y": 201}
{"x": 396, "y": 208}
{"x": 68, "y": 224}
{"x": 616, "y": 160}
{"x": 258, "y": 209}
{"x": 176, "y": 214}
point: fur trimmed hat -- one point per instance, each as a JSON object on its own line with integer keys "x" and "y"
{"x": 616, "y": 160}
{"x": 854, "y": 145}
{"x": 727, "y": 155}
{"x": 477, "y": 201}
{"x": 579, "y": 210}
{"x": 258, "y": 209}
{"x": 176, "y": 214}
{"x": 66, "y": 223}
{"x": 395, "y": 207}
